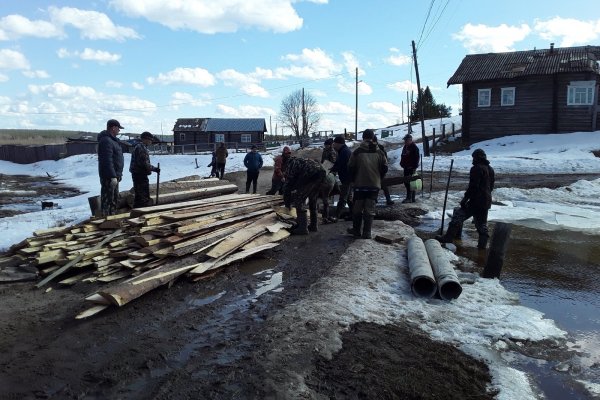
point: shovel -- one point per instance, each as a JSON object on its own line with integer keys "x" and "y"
{"x": 157, "y": 183}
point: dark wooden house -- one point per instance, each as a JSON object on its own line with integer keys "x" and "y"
{"x": 550, "y": 90}
{"x": 234, "y": 132}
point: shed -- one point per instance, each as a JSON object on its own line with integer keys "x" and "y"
{"x": 234, "y": 132}
{"x": 550, "y": 90}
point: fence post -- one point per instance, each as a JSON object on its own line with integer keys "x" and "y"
{"x": 453, "y": 131}
{"x": 443, "y": 131}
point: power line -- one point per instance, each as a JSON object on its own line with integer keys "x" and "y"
{"x": 435, "y": 22}
{"x": 425, "y": 22}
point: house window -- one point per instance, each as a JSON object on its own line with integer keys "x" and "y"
{"x": 219, "y": 137}
{"x": 483, "y": 97}
{"x": 246, "y": 138}
{"x": 581, "y": 93}
{"x": 507, "y": 96}
{"x": 182, "y": 137}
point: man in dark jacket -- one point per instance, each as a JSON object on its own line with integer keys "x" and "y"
{"x": 110, "y": 166}
{"x": 221, "y": 155}
{"x": 367, "y": 166}
{"x": 341, "y": 168}
{"x": 475, "y": 203}
{"x": 384, "y": 188}
{"x": 254, "y": 162}
{"x": 409, "y": 161}
{"x": 329, "y": 153}
{"x": 140, "y": 168}
{"x": 303, "y": 179}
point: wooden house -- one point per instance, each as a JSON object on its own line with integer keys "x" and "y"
{"x": 206, "y": 132}
{"x": 550, "y": 90}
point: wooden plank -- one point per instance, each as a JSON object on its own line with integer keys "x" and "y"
{"x": 164, "y": 207}
{"x": 239, "y": 216}
{"x": 91, "y": 311}
{"x": 75, "y": 261}
{"x": 239, "y": 238}
{"x": 270, "y": 237}
{"x": 49, "y": 231}
{"x": 45, "y": 257}
{"x": 210, "y": 265}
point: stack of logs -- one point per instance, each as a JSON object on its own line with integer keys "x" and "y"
{"x": 153, "y": 246}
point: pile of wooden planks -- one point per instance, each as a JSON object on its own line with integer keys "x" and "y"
{"x": 153, "y": 246}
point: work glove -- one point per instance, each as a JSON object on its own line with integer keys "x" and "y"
{"x": 119, "y": 178}
{"x": 157, "y": 170}
{"x": 113, "y": 182}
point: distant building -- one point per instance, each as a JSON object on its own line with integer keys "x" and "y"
{"x": 234, "y": 132}
{"x": 537, "y": 91}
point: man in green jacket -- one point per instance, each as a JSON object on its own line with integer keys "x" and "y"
{"x": 367, "y": 166}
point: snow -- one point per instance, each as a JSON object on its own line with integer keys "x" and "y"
{"x": 371, "y": 282}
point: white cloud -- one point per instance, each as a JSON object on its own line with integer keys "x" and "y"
{"x": 310, "y": 64}
{"x": 482, "y": 38}
{"x": 16, "y": 26}
{"x": 334, "y": 107}
{"x": 245, "y": 111}
{"x": 209, "y": 16}
{"x": 397, "y": 58}
{"x": 350, "y": 87}
{"x": 385, "y": 106}
{"x": 114, "y": 84}
{"x": 351, "y": 64}
{"x": 254, "y": 90}
{"x": 3, "y": 78}
{"x": 41, "y": 74}
{"x": 11, "y": 59}
{"x": 137, "y": 86}
{"x": 403, "y": 86}
{"x": 182, "y": 98}
{"x": 62, "y": 90}
{"x": 570, "y": 31}
{"x": 92, "y": 24}
{"x": 247, "y": 83}
{"x": 100, "y": 56}
{"x": 185, "y": 76}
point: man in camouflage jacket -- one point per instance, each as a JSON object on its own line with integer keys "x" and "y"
{"x": 140, "y": 168}
{"x": 110, "y": 166}
{"x": 303, "y": 180}
{"x": 367, "y": 165}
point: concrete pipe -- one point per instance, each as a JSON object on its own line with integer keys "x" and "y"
{"x": 447, "y": 281}
{"x": 422, "y": 281}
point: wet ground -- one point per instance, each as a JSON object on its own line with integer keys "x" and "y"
{"x": 231, "y": 336}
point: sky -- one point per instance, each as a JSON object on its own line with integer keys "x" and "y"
{"x": 73, "y": 65}
{"x": 485, "y": 321}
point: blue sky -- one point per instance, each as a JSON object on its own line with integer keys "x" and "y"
{"x": 73, "y": 65}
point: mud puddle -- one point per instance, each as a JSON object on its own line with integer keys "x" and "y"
{"x": 557, "y": 273}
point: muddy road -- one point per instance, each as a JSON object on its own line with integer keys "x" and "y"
{"x": 236, "y": 334}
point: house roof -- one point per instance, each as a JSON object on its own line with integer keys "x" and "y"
{"x": 220, "y": 125}
{"x": 494, "y": 66}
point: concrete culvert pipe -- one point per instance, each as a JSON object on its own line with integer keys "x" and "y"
{"x": 422, "y": 281}
{"x": 447, "y": 281}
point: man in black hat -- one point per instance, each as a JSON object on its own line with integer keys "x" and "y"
{"x": 110, "y": 166}
{"x": 475, "y": 203}
{"x": 140, "y": 168}
{"x": 409, "y": 161}
{"x": 254, "y": 162}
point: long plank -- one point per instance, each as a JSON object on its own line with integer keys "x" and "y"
{"x": 239, "y": 238}
{"x": 209, "y": 265}
{"x": 76, "y": 260}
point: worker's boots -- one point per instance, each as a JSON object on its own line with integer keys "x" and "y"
{"x": 301, "y": 223}
{"x": 356, "y": 224}
{"x": 388, "y": 197}
{"x": 368, "y": 222}
{"x": 482, "y": 242}
{"x": 413, "y": 195}
{"x": 408, "y": 198}
{"x": 313, "y": 221}
{"x": 452, "y": 233}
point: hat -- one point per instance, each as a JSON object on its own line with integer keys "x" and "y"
{"x": 113, "y": 122}
{"x": 328, "y": 142}
{"x": 480, "y": 154}
{"x": 253, "y": 147}
{"x": 339, "y": 139}
{"x": 146, "y": 135}
{"x": 407, "y": 136}
{"x": 287, "y": 150}
{"x": 368, "y": 134}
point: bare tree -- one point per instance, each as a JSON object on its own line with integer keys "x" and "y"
{"x": 299, "y": 113}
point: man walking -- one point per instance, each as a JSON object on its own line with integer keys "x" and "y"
{"x": 110, "y": 166}
{"x": 304, "y": 178}
{"x": 385, "y": 188}
{"x": 341, "y": 168}
{"x": 221, "y": 156}
{"x": 475, "y": 203}
{"x": 140, "y": 168}
{"x": 367, "y": 165}
{"x": 409, "y": 161}
{"x": 254, "y": 162}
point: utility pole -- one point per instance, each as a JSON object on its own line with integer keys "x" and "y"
{"x": 270, "y": 126}
{"x": 408, "y": 107}
{"x": 420, "y": 103}
{"x": 303, "y": 118}
{"x": 356, "y": 108}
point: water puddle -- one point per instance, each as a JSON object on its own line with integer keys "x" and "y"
{"x": 557, "y": 273}
{"x": 206, "y": 300}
